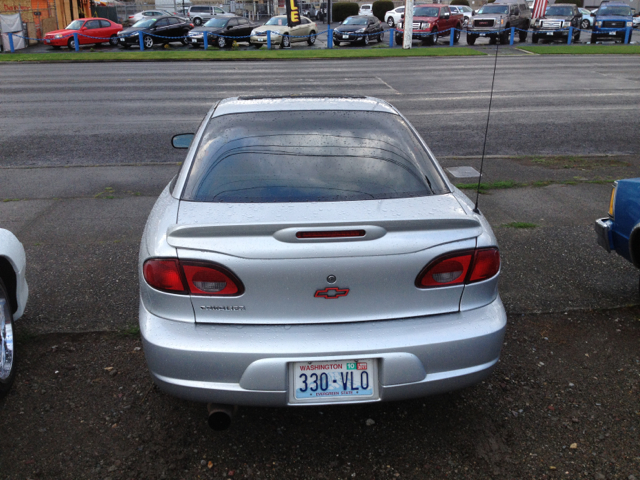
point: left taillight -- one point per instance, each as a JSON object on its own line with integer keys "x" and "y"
{"x": 460, "y": 268}
{"x": 191, "y": 277}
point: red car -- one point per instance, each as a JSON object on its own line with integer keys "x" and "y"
{"x": 89, "y": 30}
{"x": 431, "y": 21}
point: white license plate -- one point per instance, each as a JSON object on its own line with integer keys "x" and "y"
{"x": 345, "y": 36}
{"x": 193, "y": 40}
{"x": 336, "y": 380}
{"x": 261, "y": 39}
{"x": 483, "y": 34}
{"x": 122, "y": 40}
{"x": 549, "y": 33}
{"x": 612, "y": 33}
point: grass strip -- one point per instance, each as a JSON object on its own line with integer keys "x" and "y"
{"x": 584, "y": 49}
{"x": 519, "y": 225}
{"x": 504, "y": 184}
{"x": 217, "y": 55}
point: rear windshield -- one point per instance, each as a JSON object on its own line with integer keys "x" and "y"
{"x": 317, "y": 156}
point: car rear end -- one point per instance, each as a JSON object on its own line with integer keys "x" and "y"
{"x": 324, "y": 259}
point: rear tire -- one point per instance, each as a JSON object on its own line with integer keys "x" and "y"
{"x": 381, "y": 37}
{"x": 390, "y": 22}
{"x": 7, "y": 345}
{"x": 456, "y": 34}
{"x": 222, "y": 42}
{"x": 113, "y": 40}
{"x": 197, "y": 22}
{"x": 311, "y": 39}
{"x": 585, "y": 24}
{"x": 286, "y": 42}
{"x": 594, "y": 39}
{"x": 534, "y": 38}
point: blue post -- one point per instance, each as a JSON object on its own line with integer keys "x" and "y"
{"x": 513, "y": 34}
{"x": 570, "y": 39}
{"x": 329, "y": 38}
{"x": 140, "y": 41}
{"x": 269, "y": 39}
{"x": 75, "y": 41}
{"x": 205, "y": 39}
{"x": 452, "y": 32}
{"x": 627, "y": 35}
{"x": 392, "y": 32}
{"x": 11, "y": 43}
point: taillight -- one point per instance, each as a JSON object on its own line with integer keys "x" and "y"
{"x": 190, "y": 277}
{"x": 207, "y": 279}
{"x": 486, "y": 263}
{"x": 460, "y": 268}
{"x": 165, "y": 275}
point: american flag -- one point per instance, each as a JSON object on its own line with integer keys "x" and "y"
{"x": 539, "y": 7}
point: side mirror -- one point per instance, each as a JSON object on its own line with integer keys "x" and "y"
{"x": 516, "y": 12}
{"x": 182, "y": 140}
{"x": 402, "y": 16}
{"x": 473, "y": 14}
{"x": 446, "y": 14}
{"x": 229, "y": 27}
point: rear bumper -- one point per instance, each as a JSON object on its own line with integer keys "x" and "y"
{"x": 248, "y": 365}
{"x": 603, "y": 232}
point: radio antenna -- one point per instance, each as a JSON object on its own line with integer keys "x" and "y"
{"x": 486, "y": 131}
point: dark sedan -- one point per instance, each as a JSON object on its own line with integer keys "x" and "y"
{"x": 156, "y": 30}
{"x": 222, "y": 31}
{"x": 358, "y": 28}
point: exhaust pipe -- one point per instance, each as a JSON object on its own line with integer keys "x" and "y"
{"x": 220, "y": 415}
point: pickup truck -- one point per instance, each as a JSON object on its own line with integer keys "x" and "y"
{"x": 431, "y": 21}
{"x": 620, "y": 231}
{"x": 611, "y": 21}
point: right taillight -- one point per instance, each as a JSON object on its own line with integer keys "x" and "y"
{"x": 191, "y": 277}
{"x": 460, "y": 268}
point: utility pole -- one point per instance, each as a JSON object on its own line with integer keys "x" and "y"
{"x": 408, "y": 24}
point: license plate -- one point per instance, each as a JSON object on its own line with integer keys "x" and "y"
{"x": 336, "y": 380}
{"x": 122, "y": 40}
{"x": 47, "y": 41}
{"x": 261, "y": 39}
{"x": 612, "y": 33}
{"x": 483, "y": 34}
{"x": 345, "y": 36}
{"x": 549, "y": 33}
{"x": 193, "y": 40}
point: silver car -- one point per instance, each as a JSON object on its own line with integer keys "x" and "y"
{"x": 312, "y": 251}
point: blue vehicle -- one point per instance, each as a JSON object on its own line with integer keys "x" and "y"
{"x": 612, "y": 20}
{"x": 620, "y": 231}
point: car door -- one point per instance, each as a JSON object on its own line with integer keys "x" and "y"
{"x": 92, "y": 30}
{"x": 231, "y": 30}
{"x": 244, "y": 28}
{"x": 177, "y": 27}
{"x": 161, "y": 29}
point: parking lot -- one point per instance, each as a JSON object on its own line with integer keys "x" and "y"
{"x": 85, "y": 153}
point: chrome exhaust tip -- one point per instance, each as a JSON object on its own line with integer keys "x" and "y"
{"x": 220, "y": 416}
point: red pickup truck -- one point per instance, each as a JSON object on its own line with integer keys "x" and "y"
{"x": 431, "y": 21}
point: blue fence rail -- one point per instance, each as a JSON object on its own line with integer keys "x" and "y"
{"x": 145, "y": 39}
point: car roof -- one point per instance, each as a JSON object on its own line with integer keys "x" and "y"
{"x": 430, "y": 5}
{"x": 248, "y": 104}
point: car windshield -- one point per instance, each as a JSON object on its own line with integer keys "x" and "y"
{"x": 75, "y": 25}
{"x": 425, "y": 12}
{"x": 216, "y": 22}
{"x": 494, "y": 9}
{"x": 615, "y": 10}
{"x": 277, "y": 21}
{"x": 147, "y": 22}
{"x": 560, "y": 11}
{"x": 313, "y": 156}
{"x": 355, "y": 21}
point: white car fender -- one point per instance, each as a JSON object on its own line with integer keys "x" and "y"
{"x": 12, "y": 250}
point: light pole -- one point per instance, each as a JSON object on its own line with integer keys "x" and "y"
{"x": 408, "y": 24}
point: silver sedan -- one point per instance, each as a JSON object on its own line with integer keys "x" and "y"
{"x": 312, "y": 251}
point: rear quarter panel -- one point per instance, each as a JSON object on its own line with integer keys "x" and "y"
{"x": 626, "y": 219}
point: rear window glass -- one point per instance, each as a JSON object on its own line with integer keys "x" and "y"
{"x": 318, "y": 156}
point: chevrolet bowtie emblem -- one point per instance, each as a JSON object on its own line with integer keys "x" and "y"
{"x": 332, "y": 292}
